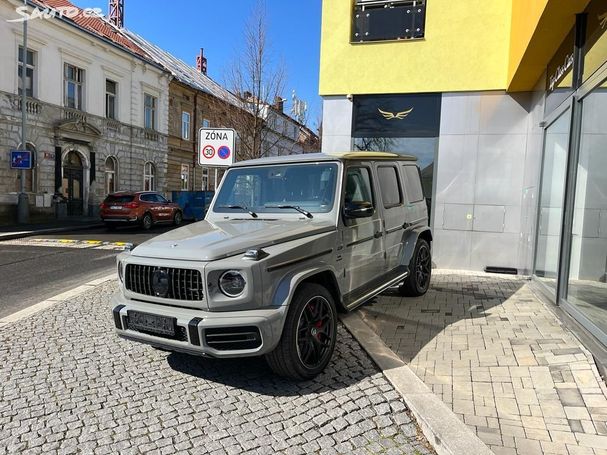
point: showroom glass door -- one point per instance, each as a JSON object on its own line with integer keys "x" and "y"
{"x": 552, "y": 197}
{"x": 587, "y": 283}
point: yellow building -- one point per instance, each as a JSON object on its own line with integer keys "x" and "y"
{"x": 504, "y": 102}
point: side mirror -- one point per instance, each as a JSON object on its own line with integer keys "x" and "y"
{"x": 358, "y": 210}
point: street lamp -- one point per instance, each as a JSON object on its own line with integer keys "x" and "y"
{"x": 22, "y": 201}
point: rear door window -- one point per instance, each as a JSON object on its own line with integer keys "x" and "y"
{"x": 391, "y": 192}
{"x": 147, "y": 198}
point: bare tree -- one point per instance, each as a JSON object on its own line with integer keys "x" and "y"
{"x": 258, "y": 81}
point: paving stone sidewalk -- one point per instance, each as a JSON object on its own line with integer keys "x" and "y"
{"x": 501, "y": 360}
{"x": 69, "y": 385}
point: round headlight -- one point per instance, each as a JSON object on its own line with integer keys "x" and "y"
{"x": 232, "y": 283}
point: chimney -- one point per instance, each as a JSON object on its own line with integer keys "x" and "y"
{"x": 116, "y": 15}
{"x": 201, "y": 62}
{"x": 279, "y": 104}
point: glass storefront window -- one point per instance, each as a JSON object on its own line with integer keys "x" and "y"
{"x": 595, "y": 49}
{"x": 559, "y": 74}
{"x": 423, "y": 148}
{"x": 587, "y": 289}
{"x": 552, "y": 196}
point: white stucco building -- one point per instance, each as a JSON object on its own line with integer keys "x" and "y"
{"x": 97, "y": 111}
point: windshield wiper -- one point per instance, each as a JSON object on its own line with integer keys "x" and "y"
{"x": 241, "y": 207}
{"x": 294, "y": 207}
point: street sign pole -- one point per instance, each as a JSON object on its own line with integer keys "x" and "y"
{"x": 22, "y": 202}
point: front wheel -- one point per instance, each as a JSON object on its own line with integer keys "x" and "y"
{"x": 420, "y": 271}
{"x": 178, "y": 218}
{"x": 308, "y": 337}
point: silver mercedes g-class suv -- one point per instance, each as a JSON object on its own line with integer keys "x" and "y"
{"x": 286, "y": 243}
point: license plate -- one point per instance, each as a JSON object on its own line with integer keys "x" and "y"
{"x": 146, "y": 322}
{"x": 115, "y": 207}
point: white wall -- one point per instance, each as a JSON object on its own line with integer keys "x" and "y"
{"x": 336, "y": 124}
{"x": 481, "y": 178}
{"x": 57, "y": 43}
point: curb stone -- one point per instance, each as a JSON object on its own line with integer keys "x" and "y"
{"x": 38, "y": 307}
{"x": 23, "y": 234}
{"x": 447, "y": 434}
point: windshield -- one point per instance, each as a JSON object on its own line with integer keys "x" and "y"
{"x": 262, "y": 189}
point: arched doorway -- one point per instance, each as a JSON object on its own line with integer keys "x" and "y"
{"x": 72, "y": 184}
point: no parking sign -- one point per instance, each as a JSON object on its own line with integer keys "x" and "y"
{"x": 216, "y": 147}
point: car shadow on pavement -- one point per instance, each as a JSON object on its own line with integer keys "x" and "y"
{"x": 408, "y": 325}
{"x": 350, "y": 365}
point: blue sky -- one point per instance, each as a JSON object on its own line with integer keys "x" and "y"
{"x": 184, "y": 26}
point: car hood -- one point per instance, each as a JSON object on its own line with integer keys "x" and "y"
{"x": 206, "y": 241}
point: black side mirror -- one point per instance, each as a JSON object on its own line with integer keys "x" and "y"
{"x": 358, "y": 210}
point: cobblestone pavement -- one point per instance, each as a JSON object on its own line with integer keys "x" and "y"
{"x": 69, "y": 385}
{"x": 503, "y": 362}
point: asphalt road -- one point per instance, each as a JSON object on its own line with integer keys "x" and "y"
{"x": 31, "y": 272}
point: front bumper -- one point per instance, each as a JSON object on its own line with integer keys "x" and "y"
{"x": 215, "y": 334}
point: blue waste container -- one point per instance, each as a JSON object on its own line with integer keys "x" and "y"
{"x": 194, "y": 204}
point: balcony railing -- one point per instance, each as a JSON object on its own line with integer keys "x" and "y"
{"x": 388, "y": 20}
{"x": 32, "y": 106}
{"x": 73, "y": 114}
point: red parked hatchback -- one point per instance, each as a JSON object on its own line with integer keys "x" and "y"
{"x": 146, "y": 208}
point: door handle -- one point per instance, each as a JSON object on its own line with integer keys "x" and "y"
{"x": 407, "y": 225}
{"x": 377, "y": 235}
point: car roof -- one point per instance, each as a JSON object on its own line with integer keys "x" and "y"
{"x": 333, "y": 156}
{"x": 132, "y": 193}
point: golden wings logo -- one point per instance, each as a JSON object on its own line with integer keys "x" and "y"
{"x": 395, "y": 116}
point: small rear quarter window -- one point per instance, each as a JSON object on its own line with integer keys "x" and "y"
{"x": 413, "y": 185}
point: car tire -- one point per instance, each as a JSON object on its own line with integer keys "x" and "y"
{"x": 177, "y": 218}
{"x": 420, "y": 271}
{"x": 309, "y": 334}
{"x": 147, "y": 222}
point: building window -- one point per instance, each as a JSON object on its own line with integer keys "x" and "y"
{"x": 150, "y": 104}
{"x": 149, "y": 177}
{"x": 205, "y": 179}
{"x": 388, "y": 20}
{"x": 185, "y": 177}
{"x": 74, "y": 86}
{"x": 30, "y": 72}
{"x": 185, "y": 126}
{"x": 111, "y": 89}
{"x": 111, "y": 169}
{"x": 206, "y": 123}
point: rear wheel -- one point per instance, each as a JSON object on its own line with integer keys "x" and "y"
{"x": 178, "y": 218}
{"x": 308, "y": 337}
{"x": 147, "y": 222}
{"x": 420, "y": 271}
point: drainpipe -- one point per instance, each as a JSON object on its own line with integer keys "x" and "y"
{"x": 22, "y": 202}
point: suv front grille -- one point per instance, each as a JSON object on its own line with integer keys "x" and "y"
{"x": 183, "y": 284}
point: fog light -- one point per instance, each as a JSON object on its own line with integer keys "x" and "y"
{"x": 232, "y": 283}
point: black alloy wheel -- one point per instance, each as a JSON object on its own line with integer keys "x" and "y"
{"x": 315, "y": 332}
{"x": 309, "y": 334}
{"x": 420, "y": 271}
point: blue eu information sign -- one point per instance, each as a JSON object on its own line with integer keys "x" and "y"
{"x": 21, "y": 159}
